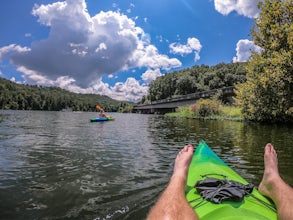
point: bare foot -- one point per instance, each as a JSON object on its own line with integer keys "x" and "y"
{"x": 271, "y": 172}
{"x": 182, "y": 161}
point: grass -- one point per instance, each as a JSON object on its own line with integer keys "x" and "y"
{"x": 184, "y": 112}
{"x": 231, "y": 112}
{"x": 225, "y": 113}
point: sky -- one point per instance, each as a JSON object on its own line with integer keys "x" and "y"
{"x": 117, "y": 48}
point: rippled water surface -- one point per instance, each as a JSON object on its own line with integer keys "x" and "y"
{"x": 58, "y": 165}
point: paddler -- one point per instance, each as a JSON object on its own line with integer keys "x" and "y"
{"x": 172, "y": 204}
{"x": 102, "y": 112}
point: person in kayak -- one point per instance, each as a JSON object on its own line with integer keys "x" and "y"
{"x": 172, "y": 204}
{"x": 102, "y": 113}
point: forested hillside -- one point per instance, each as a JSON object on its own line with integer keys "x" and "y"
{"x": 195, "y": 79}
{"x": 26, "y": 97}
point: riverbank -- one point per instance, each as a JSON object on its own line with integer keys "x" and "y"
{"x": 223, "y": 113}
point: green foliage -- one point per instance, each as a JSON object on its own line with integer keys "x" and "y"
{"x": 195, "y": 79}
{"x": 231, "y": 112}
{"x": 163, "y": 87}
{"x": 267, "y": 93}
{"x": 206, "y": 107}
{"x": 185, "y": 85}
{"x": 24, "y": 97}
{"x": 184, "y": 112}
{"x": 216, "y": 111}
{"x": 125, "y": 107}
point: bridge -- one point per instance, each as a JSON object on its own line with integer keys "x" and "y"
{"x": 170, "y": 104}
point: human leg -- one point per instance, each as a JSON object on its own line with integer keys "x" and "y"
{"x": 274, "y": 187}
{"x": 172, "y": 204}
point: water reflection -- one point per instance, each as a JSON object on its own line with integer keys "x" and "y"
{"x": 57, "y": 165}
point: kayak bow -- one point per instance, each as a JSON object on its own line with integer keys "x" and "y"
{"x": 206, "y": 163}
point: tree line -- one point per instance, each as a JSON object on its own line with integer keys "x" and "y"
{"x": 31, "y": 97}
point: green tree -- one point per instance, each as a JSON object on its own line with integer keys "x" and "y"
{"x": 185, "y": 85}
{"x": 195, "y": 79}
{"x": 267, "y": 93}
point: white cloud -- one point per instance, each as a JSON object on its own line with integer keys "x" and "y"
{"x": 130, "y": 90}
{"x": 102, "y": 46}
{"x": 31, "y": 77}
{"x": 193, "y": 45}
{"x": 150, "y": 75}
{"x": 28, "y": 35}
{"x": 6, "y": 51}
{"x": 148, "y": 56}
{"x": 244, "y": 49}
{"x": 146, "y": 38}
{"x": 246, "y": 8}
{"x": 14, "y": 80}
{"x": 80, "y": 48}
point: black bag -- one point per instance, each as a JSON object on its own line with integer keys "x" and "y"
{"x": 217, "y": 191}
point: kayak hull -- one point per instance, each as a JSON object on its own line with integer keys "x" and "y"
{"x": 101, "y": 119}
{"x": 206, "y": 162}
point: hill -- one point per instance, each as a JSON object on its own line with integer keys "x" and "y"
{"x": 31, "y": 97}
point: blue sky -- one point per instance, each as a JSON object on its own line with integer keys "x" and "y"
{"x": 116, "y": 48}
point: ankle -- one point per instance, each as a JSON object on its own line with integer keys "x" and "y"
{"x": 179, "y": 178}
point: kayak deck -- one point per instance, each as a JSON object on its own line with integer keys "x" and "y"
{"x": 206, "y": 162}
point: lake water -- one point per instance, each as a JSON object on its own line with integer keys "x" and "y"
{"x": 58, "y": 165}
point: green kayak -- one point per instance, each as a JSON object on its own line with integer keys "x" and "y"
{"x": 101, "y": 119}
{"x": 206, "y": 163}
